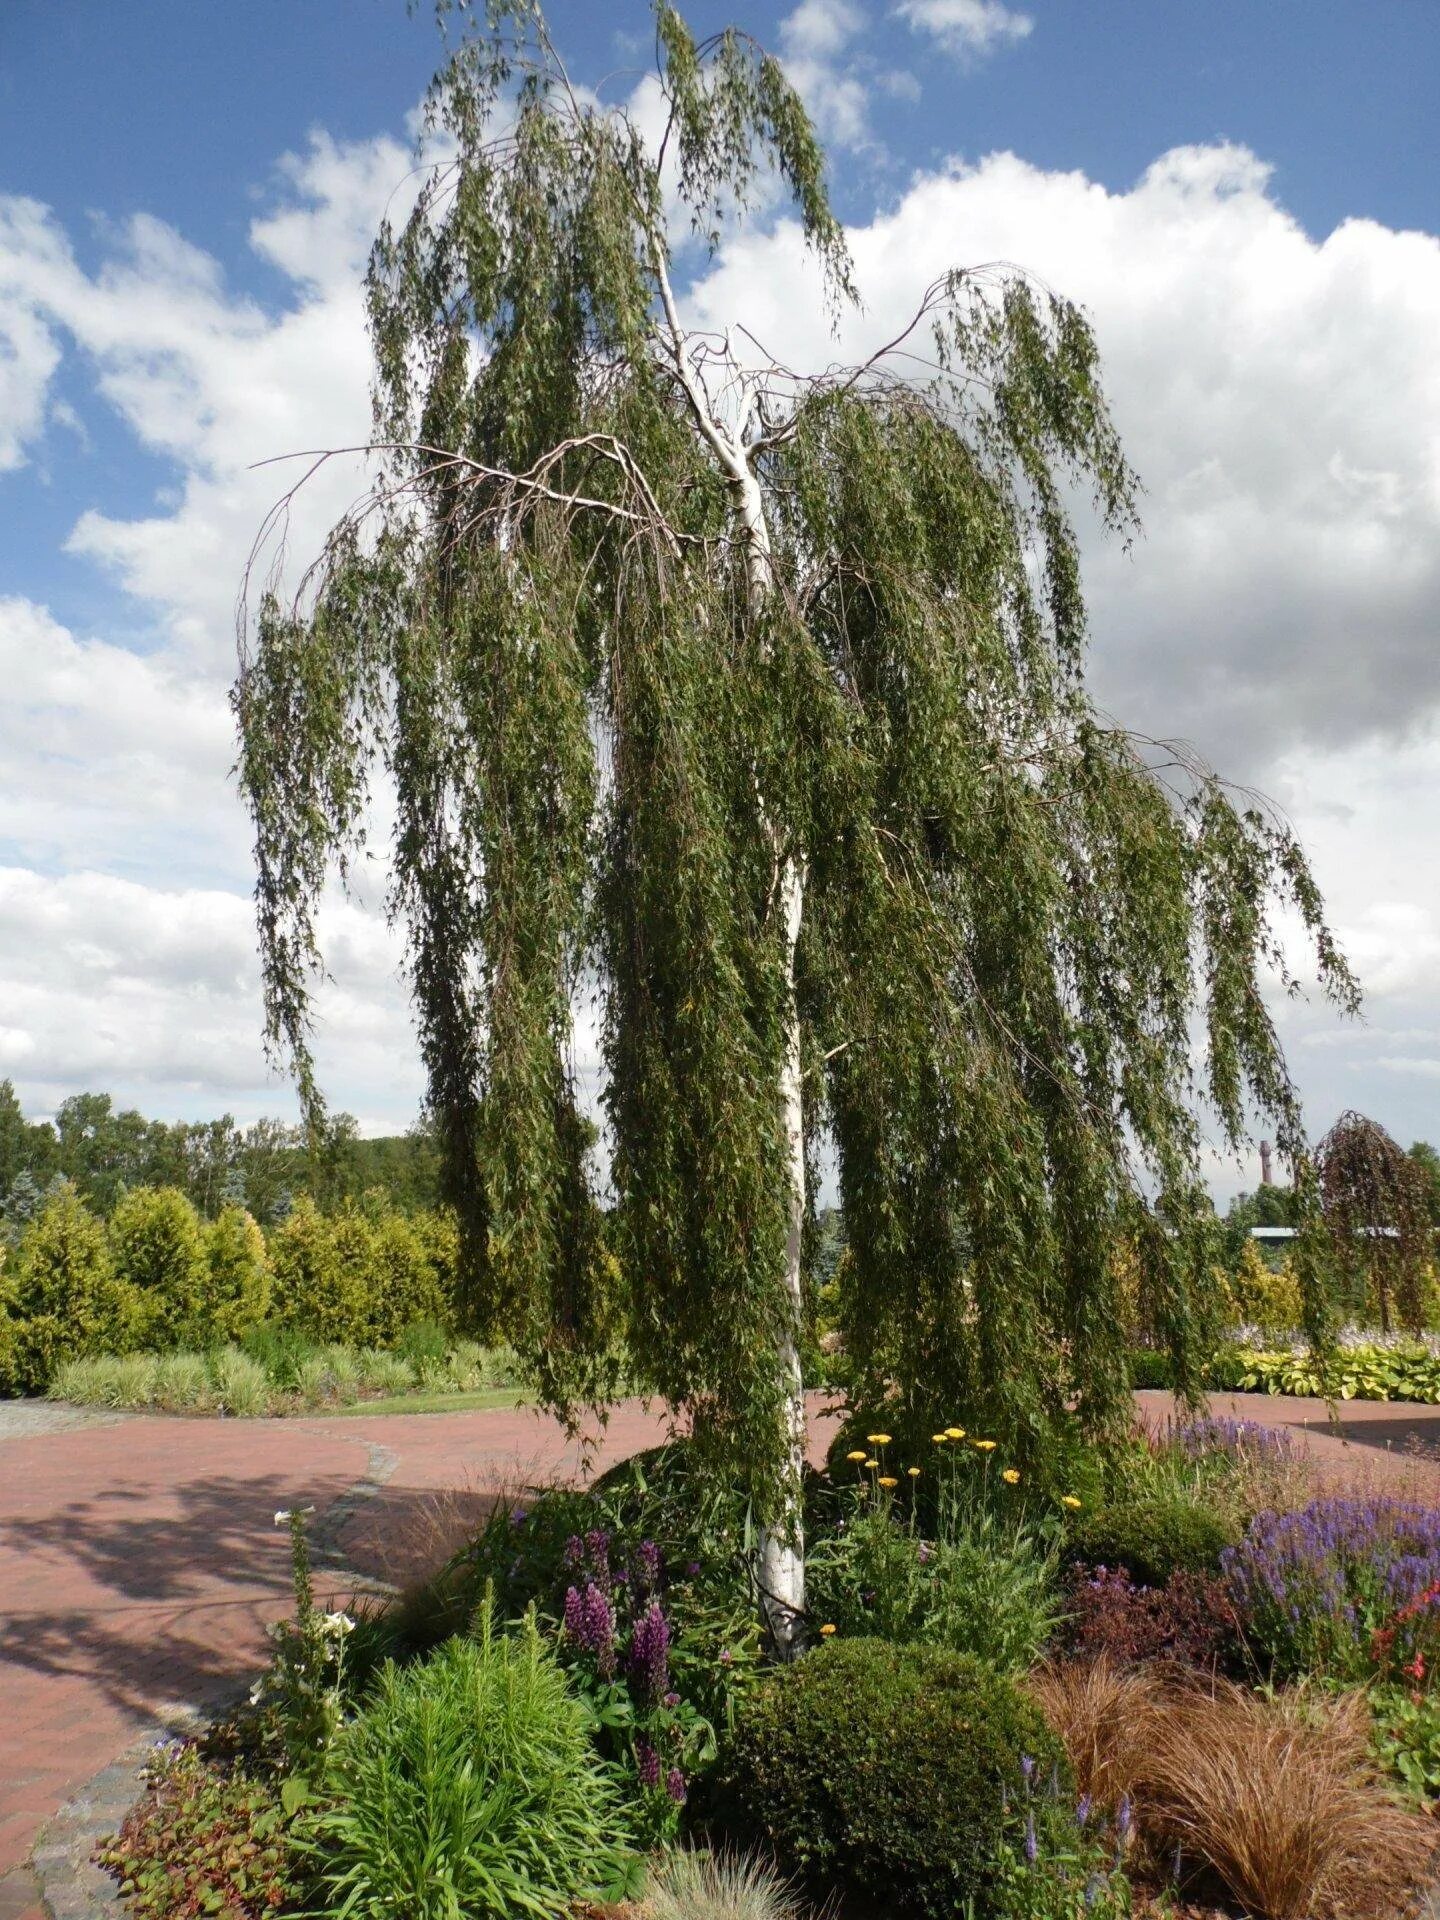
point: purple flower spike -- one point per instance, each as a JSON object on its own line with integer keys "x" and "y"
{"x": 675, "y": 1786}
{"x": 647, "y": 1761}
{"x": 1082, "y": 1809}
{"x": 1027, "y": 1767}
{"x": 1032, "y": 1847}
{"x": 650, "y": 1654}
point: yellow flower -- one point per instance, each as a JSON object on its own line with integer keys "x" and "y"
{"x": 1069, "y": 1500}
{"x": 955, "y": 1433}
{"x": 888, "y": 1480}
{"x": 914, "y": 1472}
{"x": 939, "y": 1439}
{"x": 858, "y": 1454}
{"x": 1011, "y": 1476}
{"x": 878, "y": 1439}
{"x": 985, "y": 1446}
{"x": 828, "y": 1628}
{"x": 872, "y": 1463}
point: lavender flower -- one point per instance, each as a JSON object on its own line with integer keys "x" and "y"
{"x": 1317, "y": 1585}
{"x": 1237, "y": 1438}
{"x": 647, "y": 1761}
{"x": 1027, "y": 1767}
{"x": 1032, "y": 1847}
{"x": 675, "y": 1786}
{"x": 647, "y": 1566}
{"x": 1082, "y": 1810}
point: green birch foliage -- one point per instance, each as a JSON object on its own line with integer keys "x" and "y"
{"x": 602, "y": 746}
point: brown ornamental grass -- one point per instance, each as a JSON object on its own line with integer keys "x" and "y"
{"x": 1277, "y": 1797}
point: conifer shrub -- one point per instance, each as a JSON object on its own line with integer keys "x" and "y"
{"x": 158, "y": 1248}
{"x": 1153, "y": 1538}
{"x": 319, "y": 1272}
{"x": 239, "y": 1273}
{"x": 891, "y": 1772}
{"x": 67, "y": 1298}
{"x": 404, "y": 1280}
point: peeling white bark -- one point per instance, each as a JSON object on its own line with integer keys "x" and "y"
{"x": 782, "y": 1542}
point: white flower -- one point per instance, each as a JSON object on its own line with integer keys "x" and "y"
{"x": 340, "y": 1623}
{"x": 282, "y": 1516}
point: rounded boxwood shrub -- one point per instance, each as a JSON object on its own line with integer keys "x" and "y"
{"x": 885, "y": 1771}
{"x": 1151, "y": 1539}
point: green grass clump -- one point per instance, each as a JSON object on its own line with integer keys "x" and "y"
{"x": 468, "y": 1785}
{"x": 240, "y": 1384}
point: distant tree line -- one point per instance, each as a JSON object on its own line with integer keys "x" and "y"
{"x": 105, "y": 1153}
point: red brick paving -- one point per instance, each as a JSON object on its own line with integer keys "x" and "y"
{"x": 139, "y": 1562}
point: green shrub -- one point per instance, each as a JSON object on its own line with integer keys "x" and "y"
{"x": 67, "y": 1300}
{"x": 404, "y": 1284}
{"x": 1151, "y": 1539}
{"x": 886, "y": 1771}
{"x": 157, "y": 1246}
{"x": 319, "y": 1274}
{"x": 1149, "y": 1368}
{"x": 239, "y": 1274}
{"x": 468, "y": 1785}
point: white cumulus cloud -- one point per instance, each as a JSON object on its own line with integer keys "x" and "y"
{"x": 966, "y": 28}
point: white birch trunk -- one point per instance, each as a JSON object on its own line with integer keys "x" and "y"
{"x": 782, "y": 1542}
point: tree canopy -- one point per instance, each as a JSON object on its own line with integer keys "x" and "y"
{"x": 750, "y": 701}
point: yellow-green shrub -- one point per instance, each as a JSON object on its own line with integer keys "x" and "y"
{"x": 405, "y": 1286}
{"x": 67, "y": 1299}
{"x": 1262, "y": 1296}
{"x": 157, "y": 1246}
{"x": 239, "y": 1273}
{"x": 318, "y": 1288}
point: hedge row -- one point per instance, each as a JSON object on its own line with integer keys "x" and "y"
{"x": 157, "y": 1277}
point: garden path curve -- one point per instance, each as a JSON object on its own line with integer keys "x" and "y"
{"x": 140, "y": 1562}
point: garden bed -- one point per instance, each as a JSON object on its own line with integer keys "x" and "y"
{"x": 1043, "y": 1694}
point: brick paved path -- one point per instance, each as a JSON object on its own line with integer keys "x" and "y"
{"x": 139, "y": 1560}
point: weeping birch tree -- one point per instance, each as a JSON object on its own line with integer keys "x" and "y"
{"x": 748, "y": 702}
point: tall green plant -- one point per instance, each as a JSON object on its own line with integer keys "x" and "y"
{"x": 756, "y": 696}
{"x": 158, "y": 1246}
{"x": 239, "y": 1274}
{"x": 67, "y": 1300}
{"x": 468, "y": 1785}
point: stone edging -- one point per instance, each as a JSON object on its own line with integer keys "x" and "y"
{"x": 71, "y": 1886}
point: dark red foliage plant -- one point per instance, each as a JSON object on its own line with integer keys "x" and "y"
{"x": 1190, "y": 1619}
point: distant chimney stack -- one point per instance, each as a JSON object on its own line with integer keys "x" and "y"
{"x": 1265, "y": 1163}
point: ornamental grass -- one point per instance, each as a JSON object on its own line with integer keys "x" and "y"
{"x": 1278, "y": 1798}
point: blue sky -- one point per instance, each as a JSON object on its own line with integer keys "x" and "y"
{"x": 1242, "y": 193}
